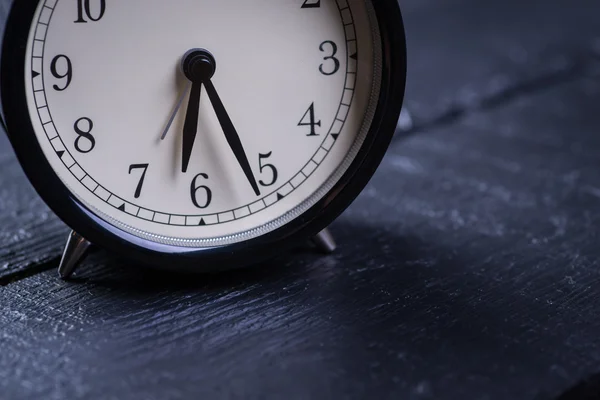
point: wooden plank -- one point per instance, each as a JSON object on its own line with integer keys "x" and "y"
{"x": 460, "y": 55}
{"x": 30, "y": 234}
{"x": 463, "y": 52}
{"x": 467, "y": 269}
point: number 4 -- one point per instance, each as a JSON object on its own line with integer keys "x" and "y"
{"x": 310, "y": 115}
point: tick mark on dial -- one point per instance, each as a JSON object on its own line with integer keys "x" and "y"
{"x": 163, "y": 202}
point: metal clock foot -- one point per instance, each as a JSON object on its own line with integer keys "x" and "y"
{"x": 75, "y": 250}
{"x": 325, "y": 241}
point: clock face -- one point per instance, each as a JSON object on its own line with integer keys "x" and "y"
{"x": 199, "y": 122}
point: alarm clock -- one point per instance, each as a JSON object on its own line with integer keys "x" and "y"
{"x": 200, "y": 135}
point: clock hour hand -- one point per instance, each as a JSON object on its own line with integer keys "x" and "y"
{"x": 231, "y": 134}
{"x": 199, "y": 66}
{"x": 190, "y": 128}
{"x": 196, "y": 66}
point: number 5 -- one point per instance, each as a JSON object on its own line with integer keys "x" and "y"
{"x": 274, "y": 173}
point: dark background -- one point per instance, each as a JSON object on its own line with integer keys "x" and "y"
{"x": 468, "y": 268}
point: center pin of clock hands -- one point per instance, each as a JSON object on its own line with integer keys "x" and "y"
{"x": 199, "y": 66}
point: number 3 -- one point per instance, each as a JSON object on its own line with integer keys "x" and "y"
{"x": 336, "y": 62}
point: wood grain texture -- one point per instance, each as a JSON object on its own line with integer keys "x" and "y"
{"x": 468, "y": 269}
{"x": 462, "y": 54}
{"x": 30, "y": 234}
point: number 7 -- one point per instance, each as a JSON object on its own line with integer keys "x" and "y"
{"x": 138, "y": 190}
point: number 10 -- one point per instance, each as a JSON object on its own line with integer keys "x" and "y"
{"x": 83, "y": 7}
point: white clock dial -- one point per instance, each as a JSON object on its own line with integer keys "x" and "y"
{"x": 290, "y": 102}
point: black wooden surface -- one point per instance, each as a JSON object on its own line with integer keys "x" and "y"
{"x": 468, "y": 269}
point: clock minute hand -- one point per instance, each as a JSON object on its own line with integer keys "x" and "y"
{"x": 190, "y": 128}
{"x": 231, "y": 134}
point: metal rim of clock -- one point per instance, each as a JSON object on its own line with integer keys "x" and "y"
{"x": 77, "y": 216}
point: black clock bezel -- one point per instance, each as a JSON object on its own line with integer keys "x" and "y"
{"x": 79, "y": 218}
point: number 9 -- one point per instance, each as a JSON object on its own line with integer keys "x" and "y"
{"x": 68, "y": 74}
